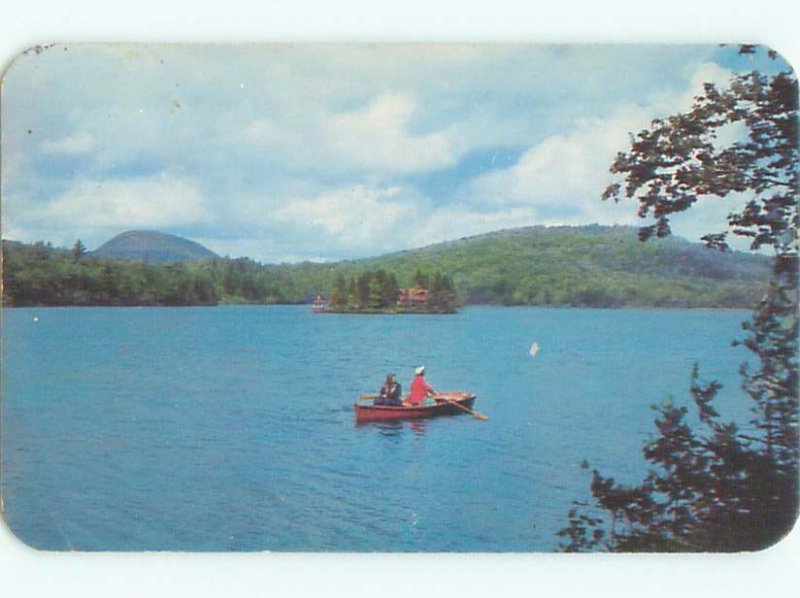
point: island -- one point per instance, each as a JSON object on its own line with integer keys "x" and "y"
{"x": 377, "y": 292}
{"x": 587, "y": 266}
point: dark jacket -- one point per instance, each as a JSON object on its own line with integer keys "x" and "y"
{"x": 390, "y": 395}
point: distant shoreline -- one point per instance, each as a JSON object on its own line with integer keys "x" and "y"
{"x": 605, "y": 267}
{"x": 306, "y": 306}
{"x": 390, "y": 312}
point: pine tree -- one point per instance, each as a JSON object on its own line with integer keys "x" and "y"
{"x": 352, "y": 295}
{"x": 338, "y": 296}
{"x": 391, "y": 291}
{"x": 78, "y": 250}
{"x": 421, "y": 279}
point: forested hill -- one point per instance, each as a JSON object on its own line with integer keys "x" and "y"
{"x": 588, "y": 265}
{"x": 594, "y": 266}
{"x": 152, "y": 246}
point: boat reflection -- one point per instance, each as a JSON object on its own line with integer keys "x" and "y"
{"x": 397, "y": 427}
{"x": 418, "y": 426}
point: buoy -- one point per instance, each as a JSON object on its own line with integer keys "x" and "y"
{"x": 35, "y": 318}
{"x": 534, "y": 349}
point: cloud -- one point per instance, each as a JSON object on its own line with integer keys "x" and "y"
{"x": 306, "y": 150}
{"x": 700, "y": 74}
{"x": 74, "y": 145}
{"x": 378, "y": 138}
{"x": 365, "y": 220}
{"x": 375, "y": 139}
{"x": 449, "y": 222}
{"x": 566, "y": 169}
{"x": 360, "y": 217}
{"x": 562, "y": 177}
{"x": 93, "y": 210}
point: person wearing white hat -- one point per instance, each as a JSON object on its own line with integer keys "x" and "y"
{"x": 420, "y": 388}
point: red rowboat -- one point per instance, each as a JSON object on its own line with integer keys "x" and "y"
{"x": 453, "y": 404}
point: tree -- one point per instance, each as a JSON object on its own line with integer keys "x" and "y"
{"x": 715, "y": 486}
{"x": 352, "y": 294}
{"x": 441, "y": 293}
{"x": 338, "y": 296}
{"x": 78, "y": 250}
{"x": 375, "y": 294}
{"x": 679, "y": 161}
{"x": 390, "y": 290}
{"x": 362, "y": 289}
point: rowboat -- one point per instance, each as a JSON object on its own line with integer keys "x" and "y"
{"x": 447, "y": 403}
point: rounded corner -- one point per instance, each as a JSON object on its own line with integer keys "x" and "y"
{"x": 15, "y": 60}
{"x": 777, "y": 55}
{"x": 11, "y": 538}
{"x": 782, "y": 536}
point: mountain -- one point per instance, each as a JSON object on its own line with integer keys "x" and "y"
{"x": 152, "y": 246}
{"x": 586, "y": 265}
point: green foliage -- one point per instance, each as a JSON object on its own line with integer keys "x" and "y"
{"x": 374, "y": 291}
{"x": 773, "y": 338}
{"x": 678, "y": 161}
{"x": 78, "y": 250}
{"x": 592, "y": 266}
{"x": 338, "y": 296}
{"x": 714, "y": 486}
{"x": 152, "y": 246}
{"x": 41, "y": 275}
{"x": 442, "y": 294}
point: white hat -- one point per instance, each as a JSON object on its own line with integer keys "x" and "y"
{"x": 420, "y": 370}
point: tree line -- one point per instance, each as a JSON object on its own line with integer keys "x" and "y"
{"x": 39, "y": 274}
{"x": 378, "y": 290}
{"x": 590, "y": 266}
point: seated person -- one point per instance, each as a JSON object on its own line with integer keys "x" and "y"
{"x": 390, "y": 392}
{"x": 420, "y": 389}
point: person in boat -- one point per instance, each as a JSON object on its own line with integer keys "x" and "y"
{"x": 390, "y": 392}
{"x": 420, "y": 389}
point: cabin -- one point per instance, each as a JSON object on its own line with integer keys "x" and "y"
{"x": 414, "y": 297}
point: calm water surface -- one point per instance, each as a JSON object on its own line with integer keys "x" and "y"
{"x": 232, "y": 428}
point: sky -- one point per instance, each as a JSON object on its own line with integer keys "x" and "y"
{"x": 285, "y": 153}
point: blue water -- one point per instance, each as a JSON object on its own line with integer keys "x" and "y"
{"x": 232, "y": 428}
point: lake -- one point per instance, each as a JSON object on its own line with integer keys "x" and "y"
{"x": 232, "y": 428}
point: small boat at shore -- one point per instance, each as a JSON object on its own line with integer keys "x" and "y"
{"x": 319, "y": 305}
{"x": 447, "y": 403}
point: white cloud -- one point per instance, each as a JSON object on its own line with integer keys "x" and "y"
{"x": 570, "y": 168}
{"x": 73, "y": 145}
{"x": 378, "y": 138}
{"x": 705, "y": 72}
{"x": 563, "y": 176}
{"x": 154, "y": 201}
{"x": 327, "y": 150}
{"x": 90, "y": 210}
{"x": 357, "y": 218}
{"x": 451, "y": 222}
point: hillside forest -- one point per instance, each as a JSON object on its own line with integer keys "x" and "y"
{"x": 592, "y": 266}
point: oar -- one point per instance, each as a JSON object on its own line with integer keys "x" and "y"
{"x": 460, "y": 406}
{"x": 372, "y": 397}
